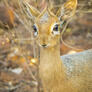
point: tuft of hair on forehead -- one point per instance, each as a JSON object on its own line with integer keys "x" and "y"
{"x": 45, "y": 15}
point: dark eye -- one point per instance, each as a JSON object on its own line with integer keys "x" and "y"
{"x": 35, "y": 30}
{"x": 56, "y": 28}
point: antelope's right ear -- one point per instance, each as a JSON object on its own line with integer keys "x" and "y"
{"x": 32, "y": 11}
{"x": 67, "y": 10}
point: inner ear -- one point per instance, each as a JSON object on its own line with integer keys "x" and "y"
{"x": 32, "y": 10}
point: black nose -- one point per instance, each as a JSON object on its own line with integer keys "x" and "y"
{"x": 44, "y": 45}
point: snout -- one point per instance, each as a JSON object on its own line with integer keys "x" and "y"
{"x": 44, "y": 45}
{"x": 43, "y": 42}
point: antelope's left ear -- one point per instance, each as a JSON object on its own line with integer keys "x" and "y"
{"x": 67, "y": 10}
{"x": 32, "y": 11}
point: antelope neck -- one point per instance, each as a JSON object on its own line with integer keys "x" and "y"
{"x": 50, "y": 54}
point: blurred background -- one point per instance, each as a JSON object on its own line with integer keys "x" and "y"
{"x": 19, "y": 54}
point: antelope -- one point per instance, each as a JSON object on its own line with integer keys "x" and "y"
{"x": 47, "y": 29}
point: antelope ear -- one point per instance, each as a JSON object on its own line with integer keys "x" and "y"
{"x": 67, "y": 10}
{"x": 33, "y": 12}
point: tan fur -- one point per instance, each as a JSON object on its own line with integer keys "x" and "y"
{"x": 52, "y": 70}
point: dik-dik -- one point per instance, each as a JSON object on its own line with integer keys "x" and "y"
{"x": 52, "y": 70}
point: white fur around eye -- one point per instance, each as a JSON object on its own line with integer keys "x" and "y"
{"x": 35, "y": 33}
{"x": 55, "y": 32}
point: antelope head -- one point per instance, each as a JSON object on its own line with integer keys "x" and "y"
{"x": 47, "y": 25}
